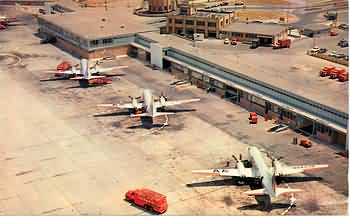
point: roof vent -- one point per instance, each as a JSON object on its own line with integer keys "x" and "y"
{"x": 122, "y": 26}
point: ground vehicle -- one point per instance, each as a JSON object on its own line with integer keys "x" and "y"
{"x": 148, "y": 199}
{"x": 282, "y": 44}
{"x": 343, "y": 43}
{"x": 343, "y": 77}
{"x": 239, "y": 3}
{"x": 226, "y": 41}
{"x": 336, "y": 72}
{"x": 314, "y": 50}
{"x": 333, "y": 33}
{"x": 339, "y": 55}
{"x": 346, "y": 57}
{"x": 333, "y": 53}
{"x": 326, "y": 71}
{"x": 331, "y": 15}
{"x": 255, "y": 44}
{"x": 2, "y": 27}
{"x": 233, "y": 41}
{"x": 344, "y": 26}
{"x": 322, "y": 50}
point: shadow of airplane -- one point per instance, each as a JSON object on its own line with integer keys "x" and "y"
{"x": 55, "y": 79}
{"x": 294, "y": 179}
{"x": 177, "y": 110}
{"x": 147, "y": 126}
{"x": 213, "y": 183}
{"x": 260, "y": 208}
{"x": 123, "y": 113}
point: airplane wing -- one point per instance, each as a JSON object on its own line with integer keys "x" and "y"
{"x": 227, "y": 172}
{"x": 173, "y": 103}
{"x": 62, "y": 72}
{"x": 279, "y": 191}
{"x": 288, "y": 170}
{"x": 150, "y": 114}
{"x": 102, "y": 70}
{"x": 107, "y": 105}
{"x": 129, "y": 106}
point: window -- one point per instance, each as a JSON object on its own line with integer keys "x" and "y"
{"x": 227, "y": 21}
{"x": 165, "y": 7}
{"x": 200, "y": 23}
{"x": 108, "y": 40}
{"x": 94, "y": 42}
{"x": 258, "y": 101}
{"x": 178, "y": 21}
{"x": 189, "y": 22}
{"x": 212, "y": 24}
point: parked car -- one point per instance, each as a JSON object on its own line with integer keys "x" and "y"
{"x": 333, "y": 33}
{"x": 333, "y": 53}
{"x": 227, "y": 41}
{"x": 339, "y": 55}
{"x": 315, "y": 49}
{"x": 343, "y": 43}
{"x": 346, "y": 57}
{"x": 322, "y": 50}
{"x": 344, "y": 26}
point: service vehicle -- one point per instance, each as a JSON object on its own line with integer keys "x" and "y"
{"x": 326, "y": 71}
{"x": 336, "y": 72}
{"x": 343, "y": 77}
{"x": 282, "y": 44}
{"x": 148, "y": 199}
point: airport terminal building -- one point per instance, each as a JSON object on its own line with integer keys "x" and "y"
{"x": 323, "y": 118}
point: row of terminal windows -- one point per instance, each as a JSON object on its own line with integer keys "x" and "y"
{"x": 104, "y": 41}
{"x": 191, "y": 22}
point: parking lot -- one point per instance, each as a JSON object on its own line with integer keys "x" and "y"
{"x": 63, "y": 155}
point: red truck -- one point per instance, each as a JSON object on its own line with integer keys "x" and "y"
{"x": 282, "y": 44}
{"x": 148, "y": 199}
{"x": 336, "y": 72}
{"x": 343, "y": 77}
{"x": 326, "y": 71}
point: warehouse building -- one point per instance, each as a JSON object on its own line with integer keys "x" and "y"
{"x": 267, "y": 34}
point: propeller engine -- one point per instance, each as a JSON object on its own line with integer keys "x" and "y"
{"x": 134, "y": 101}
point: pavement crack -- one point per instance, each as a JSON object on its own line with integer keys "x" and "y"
{"x": 24, "y": 172}
{"x": 51, "y": 211}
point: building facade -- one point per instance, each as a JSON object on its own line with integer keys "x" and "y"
{"x": 161, "y": 6}
{"x": 208, "y": 23}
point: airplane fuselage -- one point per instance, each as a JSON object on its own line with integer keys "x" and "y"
{"x": 261, "y": 169}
